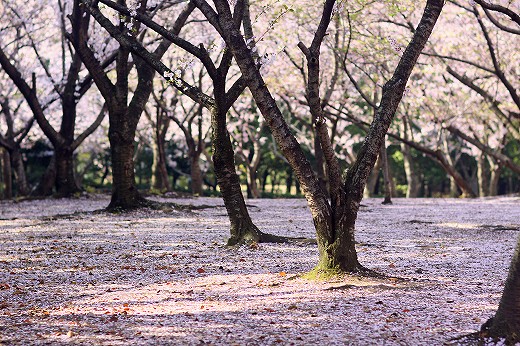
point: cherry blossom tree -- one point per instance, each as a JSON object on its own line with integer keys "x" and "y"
{"x": 334, "y": 222}
{"x": 124, "y": 112}
{"x": 242, "y": 228}
{"x": 160, "y": 123}
{"x": 59, "y": 80}
{"x": 11, "y": 142}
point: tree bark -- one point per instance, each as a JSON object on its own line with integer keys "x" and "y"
{"x": 124, "y": 191}
{"x": 335, "y": 222}
{"x": 253, "y": 169}
{"x": 386, "y": 175}
{"x": 6, "y": 170}
{"x": 66, "y": 184}
{"x": 47, "y": 181}
{"x": 156, "y": 174}
{"x": 495, "y": 170}
{"x": 506, "y": 322}
{"x": 370, "y": 188}
{"x": 251, "y": 182}
{"x": 19, "y": 170}
{"x": 483, "y": 176}
{"x": 412, "y": 179}
{"x": 242, "y": 228}
{"x": 160, "y": 180}
{"x": 196, "y": 174}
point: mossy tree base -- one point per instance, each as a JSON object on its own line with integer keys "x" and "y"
{"x": 324, "y": 273}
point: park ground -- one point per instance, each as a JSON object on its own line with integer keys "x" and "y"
{"x": 70, "y": 275}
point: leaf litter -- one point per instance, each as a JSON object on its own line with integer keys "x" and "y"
{"x": 154, "y": 277}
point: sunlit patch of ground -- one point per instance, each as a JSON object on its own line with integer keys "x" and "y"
{"x": 155, "y": 277}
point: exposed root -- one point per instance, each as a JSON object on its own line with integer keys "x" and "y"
{"x": 369, "y": 273}
{"x": 271, "y": 238}
{"x": 474, "y": 339}
{"x": 154, "y": 205}
{"x": 250, "y": 234}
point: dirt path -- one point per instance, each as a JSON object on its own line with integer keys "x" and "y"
{"x": 166, "y": 278}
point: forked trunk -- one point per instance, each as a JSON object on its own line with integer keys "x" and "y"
{"x": 335, "y": 238}
{"x": 340, "y": 255}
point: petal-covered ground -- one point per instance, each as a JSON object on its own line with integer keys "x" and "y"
{"x": 71, "y": 276}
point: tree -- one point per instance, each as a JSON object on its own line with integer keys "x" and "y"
{"x": 69, "y": 90}
{"x": 195, "y": 140}
{"x": 482, "y": 70}
{"x": 334, "y": 222}
{"x": 11, "y": 142}
{"x": 248, "y": 137}
{"x": 160, "y": 125}
{"x": 124, "y": 114}
{"x": 243, "y": 229}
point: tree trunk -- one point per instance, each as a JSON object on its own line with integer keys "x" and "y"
{"x": 19, "y": 170}
{"x": 495, "y": 170}
{"x": 456, "y": 179}
{"x": 372, "y": 180}
{"x": 264, "y": 179}
{"x": 506, "y": 322}
{"x": 160, "y": 181}
{"x": 386, "y": 175}
{"x": 454, "y": 189}
{"x": 289, "y": 181}
{"x": 124, "y": 190}
{"x": 412, "y": 179}
{"x": 339, "y": 255}
{"x": 66, "y": 184}
{"x": 242, "y": 228}
{"x": 163, "y": 170}
{"x": 334, "y": 222}
{"x": 483, "y": 176}
{"x": 252, "y": 168}
{"x": 251, "y": 182}
{"x": 196, "y": 175}
{"x": 320, "y": 162}
{"x": 156, "y": 175}
{"x": 47, "y": 181}
{"x": 8, "y": 181}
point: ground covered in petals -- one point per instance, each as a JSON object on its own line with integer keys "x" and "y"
{"x": 70, "y": 275}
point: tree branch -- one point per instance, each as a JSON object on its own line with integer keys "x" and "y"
{"x": 501, "y": 9}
